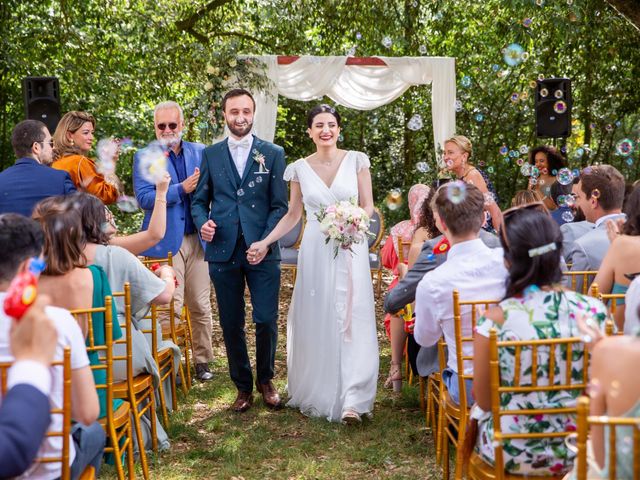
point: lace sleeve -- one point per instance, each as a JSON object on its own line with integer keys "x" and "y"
{"x": 362, "y": 161}
{"x": 290, "y": 174}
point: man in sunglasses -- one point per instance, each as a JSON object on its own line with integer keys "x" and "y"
{"x": 181, "y": 237}
{"x": 31, "y": 178}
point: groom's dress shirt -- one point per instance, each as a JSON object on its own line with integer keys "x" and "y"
{"x": 240, "y": 150}
{"x": 477, "y": 272}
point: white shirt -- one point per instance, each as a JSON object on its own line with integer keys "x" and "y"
{"x": 240, "y": 150}
{"x": 478, "y": 273}
{"x": 69, "y": 335}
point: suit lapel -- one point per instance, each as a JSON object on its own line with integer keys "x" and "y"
{"x": 247, "y": 167}
{"x": 230, "y": 167}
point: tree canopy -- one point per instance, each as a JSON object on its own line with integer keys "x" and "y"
{"x": 117, "y": 58}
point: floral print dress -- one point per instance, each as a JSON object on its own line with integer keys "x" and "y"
{"x": 536, "y": 315}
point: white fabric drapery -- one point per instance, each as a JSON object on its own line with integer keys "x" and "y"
{"x": 358, "y": 87}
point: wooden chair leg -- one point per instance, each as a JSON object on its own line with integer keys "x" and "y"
{"x": 139, "y": 437}
{"x": 183, "y": 383}
{"x": 445, "y": 453}
{"x": 441, "y": 436}
{"x": 130, "y": 467}
{"x": 462, "y": 429}
{"x": 153, "y": 414}
{"x": 422, "y": 399}
{"x": 379, "y": 283}
{"x": 163, "y": 404}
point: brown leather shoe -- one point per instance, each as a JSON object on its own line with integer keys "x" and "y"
{"x": 269, "y": 395}
{"x": 243, "y": 402}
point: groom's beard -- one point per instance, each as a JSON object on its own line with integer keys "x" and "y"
{"x": 240, "y": 131}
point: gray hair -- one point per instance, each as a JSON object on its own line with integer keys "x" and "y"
{"x": 167, "y": 105}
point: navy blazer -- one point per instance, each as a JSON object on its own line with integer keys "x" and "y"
{"x": 253, "y": 204}
{"x": 24, "y": 419}
{"x": 25, "y": 183}
{"x": 176, "y": 208}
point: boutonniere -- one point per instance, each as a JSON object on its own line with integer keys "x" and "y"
{"x": 259, "y": 158}
{"x": 441, "y": 247}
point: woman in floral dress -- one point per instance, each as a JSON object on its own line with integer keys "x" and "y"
{"x": 535, "y": 307}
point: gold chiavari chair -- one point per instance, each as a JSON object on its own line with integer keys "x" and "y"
{"x": 453, "y": 417}
{"x": 407, "y": 314}
{"x": 65, "y": 412}
{"x": 137, "y": 390}
{"x": 434, "y": 386}
{"x": 117, "y": 424}
{"x": 580, "y": 279}
{"x": 375, "y": 262}
{"x": 290, "y": 246}
{"x": 623, "y": 438}
{"x": 560, "y": 351}
{"x": 611, "y": 301}
{"x": 179, "y": 332}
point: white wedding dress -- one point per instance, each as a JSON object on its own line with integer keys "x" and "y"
{"x": 332, "y": 346}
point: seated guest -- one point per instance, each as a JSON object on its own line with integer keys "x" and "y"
{"x": 146, "y": 288}
{"x": 404, "y": 231}
{"x": 563, "y": 213}
{"x": 522, "y": 197}
{"x": 31, "y": 178}
{"x": 623, "y": 258}
{"x": 573, "y": 230}
{"x": 548, "y": 161}
{"x": 472, "y": 268}
{"x": 599, "y": 194}
{"x": 72, "y": 142}
{"x": 534, "y": 307}
{"x": 25, "y": 411}
{"x": 21, "y": 239}
{"x": 457, "y": 152}
{"x": 632, "y": 304}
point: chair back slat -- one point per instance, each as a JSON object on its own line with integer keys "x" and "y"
{"x": 403, "y": 249}
{"x": 65, "y": 412}
{"x": 377, "y": 228}
{"x": 475, "y": 309}
{"x": 626, "y": 428}
{"x": 126, "y": 339}
{"x": 585, "y": 277}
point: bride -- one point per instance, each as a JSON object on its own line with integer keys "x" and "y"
{"x": 332, "y": 347}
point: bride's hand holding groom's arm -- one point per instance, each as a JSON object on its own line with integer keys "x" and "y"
{"x": 258, "y": 250}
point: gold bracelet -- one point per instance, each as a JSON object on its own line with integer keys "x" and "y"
{"x": 160, "y": 200}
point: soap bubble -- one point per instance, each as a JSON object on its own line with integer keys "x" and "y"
{"x": 524, "y": 149}
{"x": 515, "y": 97}
{"x": 527, "y": 22}
{"x": 533, "y": 181}
{"x": 422, "y": 49}
{"x": 558, "y": 94}
{"x": 625, "y": 147}
{"x": 106, "y": 149}
{"x": 495, "y": 67}
{"x": 152, "y": 163}
{"x": 456, "y": 191}
{"x": 240, "y": 192}
{"x": 489, "y": 198}
{"x": 504, "y": 150}
{"x": 479, "y": 117}
{"x": 466, "y": 81}
{"x": 560, "y": 107}
{"x": 629, "y": 161}
{"x": 423, "y": 167}
{"x": 544, "y": 92}
{"x": 127, "y": 204}
{"x": 526, "y": 169}
{"x": 458, "y": 106}
{"x": 608, "y": 127}
{"x": 251, "y": 184}
{"x": 259, "y": 180}
{"x": 565, "y": 176}
{"x": 520, "y": 162}
{"x": 394, "y": 199}
{"x": 513, "y": 54}
{"x": 387, "y": 42}
{"x": 489, "y": 169}
{"x": 567, "y": 216}
{"x": 415, "y": 123}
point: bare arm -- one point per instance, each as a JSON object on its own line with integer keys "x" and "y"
{"x": 418, "y": 239}
{"x": 365, "y": 191}
{"x": 166, "y": 274}
{"x": 481, "y": 376}
{"x": 491, "y": 206}
{"x": 258, "y": 250}
{"x": 141, "y": 241}
{"x": 85, "y": 407}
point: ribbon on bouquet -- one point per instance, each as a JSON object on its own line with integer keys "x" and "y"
{"x": 344, "y": 306}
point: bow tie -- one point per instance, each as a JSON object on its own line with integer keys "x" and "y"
{"x": 244, "y": 142}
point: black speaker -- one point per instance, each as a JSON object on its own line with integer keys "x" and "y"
{"x": 553, "y": 107}
{"x": 42, "y": 100}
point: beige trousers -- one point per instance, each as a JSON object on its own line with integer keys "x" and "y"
{"x": 194, "y": 290}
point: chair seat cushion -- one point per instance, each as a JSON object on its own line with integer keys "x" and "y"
{"x": 289, "y": 256}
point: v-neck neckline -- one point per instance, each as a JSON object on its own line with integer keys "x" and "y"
{"x": 333, "y": 180}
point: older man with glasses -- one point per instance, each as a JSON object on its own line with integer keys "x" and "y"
{"x": 31, "y": 178}
{"x": 181, "y": 237}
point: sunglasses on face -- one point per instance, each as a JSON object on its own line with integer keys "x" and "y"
{"x": 163, "y": 126}
{"x": 539, "y": 206}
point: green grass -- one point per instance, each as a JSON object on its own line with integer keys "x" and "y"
{"x": 209, "y": 441}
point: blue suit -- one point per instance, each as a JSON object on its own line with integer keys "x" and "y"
{"x": 176, "y": 207}
{"x": 245, "y": 209}
{"x": 24, "y": 419}
{"x": 25, "y": 183}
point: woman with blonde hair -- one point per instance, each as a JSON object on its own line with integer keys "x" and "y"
{"x": 457, "y": 152}
{"x": 72, "y": 142}
{"x": 524, "y": 197}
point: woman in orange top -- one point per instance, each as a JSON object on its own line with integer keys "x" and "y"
{"x": 71, "y": 142}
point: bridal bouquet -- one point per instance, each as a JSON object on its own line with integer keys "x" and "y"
{"x": 345, "y": 223}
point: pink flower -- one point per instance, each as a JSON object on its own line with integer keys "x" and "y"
{"x": 538, "y": 418}
{"x": 570, "y": 428}
{"x": 558, "y": 467}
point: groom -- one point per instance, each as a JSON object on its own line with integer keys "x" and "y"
{"x": 240, "y": 197}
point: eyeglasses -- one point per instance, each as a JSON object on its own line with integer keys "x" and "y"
{"x": 50, "y": 142}
{"x": 539, "y": 206}
{"x": 162, "y": 126}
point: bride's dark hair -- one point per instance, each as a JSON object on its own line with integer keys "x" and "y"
{"x": 323, "y": 108}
